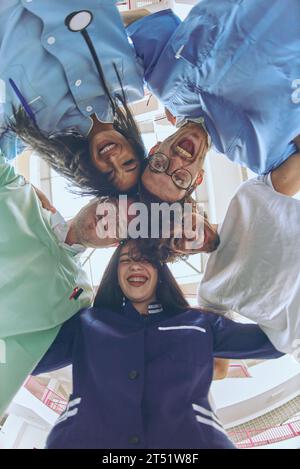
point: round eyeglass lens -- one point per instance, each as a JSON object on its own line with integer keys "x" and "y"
{"x": 159, "y": 162}
{"x": 182, "y": 178}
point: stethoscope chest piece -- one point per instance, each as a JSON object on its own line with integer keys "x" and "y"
{"x": 79, "y": 20}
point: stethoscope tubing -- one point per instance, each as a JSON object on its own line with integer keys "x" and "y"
{"x": 96, "y": 61}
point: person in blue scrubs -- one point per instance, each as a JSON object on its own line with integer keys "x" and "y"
{"x": 143, "y": 361}
{"x": 232, "y": 68}
{"x": 67, "y": 72}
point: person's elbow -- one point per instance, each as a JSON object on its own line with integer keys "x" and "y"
{"x": 221, "y": 367}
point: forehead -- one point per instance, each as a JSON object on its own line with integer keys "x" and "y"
{"x": 124, "y": 253}
{"x": 161, "y": 186}
{"x": 132, "y": 252}
{"x": 128, "y": 250}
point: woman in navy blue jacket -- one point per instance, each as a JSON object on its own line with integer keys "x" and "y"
{"x": 143, "y": 362}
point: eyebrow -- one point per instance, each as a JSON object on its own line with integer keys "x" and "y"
{"x": 124, "y": 254}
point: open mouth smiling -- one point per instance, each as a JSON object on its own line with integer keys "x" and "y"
{"x": 106, "y": 148}
{"x": 185, "y": 148}
{"x": 137, "y": 280}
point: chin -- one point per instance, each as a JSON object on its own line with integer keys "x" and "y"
{"x": 213, "y": 245}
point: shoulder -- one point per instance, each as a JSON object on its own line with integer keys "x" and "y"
{"x": 92, "y": 315}
{"x": 261, "y": 191}
{"x": 79, "y": 318}
{"x": 87, "y": 314}
{"x": 253, "y": 193}
{"x": 200, "y": 316}
{"x": 261, "y": 182}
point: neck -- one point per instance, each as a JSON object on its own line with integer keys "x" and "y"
{"x": 99, "y": 126}
{"x": 142, "y": 307}
{"x": 131, "y": 16}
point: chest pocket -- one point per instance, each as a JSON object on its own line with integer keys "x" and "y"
{"x": 196, "y": 46}
{"x": 17, "y": 73}
{"x": 187, "y": 343}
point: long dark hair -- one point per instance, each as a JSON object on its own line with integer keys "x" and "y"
{"x": 168, "y": 292}
{"x": 68, "y": 153}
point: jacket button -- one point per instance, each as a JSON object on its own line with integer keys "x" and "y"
{"x": 133, "y": 374}
{"x": 78, "y": 82}
{"x": 51, "y": 40}
{"x": 134, "y": 440}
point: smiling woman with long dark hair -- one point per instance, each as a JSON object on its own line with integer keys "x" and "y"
{"x": 68, "y": 78}
{"x": 143, "y": 362}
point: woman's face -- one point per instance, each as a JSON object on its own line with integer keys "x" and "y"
{"x": 137, "y": 279}
{"x": 113, "y": 155}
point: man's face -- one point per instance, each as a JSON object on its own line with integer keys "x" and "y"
{"x": 201, "y": 237}
{"x": 186, "y": 149}
{"x": 90, "y": 224}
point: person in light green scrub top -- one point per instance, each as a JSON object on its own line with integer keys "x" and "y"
{"x": 41, "y": 281}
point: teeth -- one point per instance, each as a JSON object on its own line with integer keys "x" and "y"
{"x": 137, "y": 279}
{"x": 107, "y": 148}
{"x": 183, "y": 152}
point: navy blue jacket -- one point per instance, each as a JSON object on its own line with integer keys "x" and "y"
{"x": 142, "y": 381}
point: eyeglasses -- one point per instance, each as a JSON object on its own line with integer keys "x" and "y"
{"x": 160, "y": 163}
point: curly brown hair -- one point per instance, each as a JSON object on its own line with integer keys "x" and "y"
{"x": 159, "y": 249}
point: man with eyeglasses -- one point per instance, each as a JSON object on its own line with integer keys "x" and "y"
{"x": 175, "y": 166}
{"x": 236, "y": 65}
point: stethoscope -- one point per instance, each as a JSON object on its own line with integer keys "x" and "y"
{"x": 76, "y": 22}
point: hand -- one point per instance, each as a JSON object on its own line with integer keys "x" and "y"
{"x": 46, "y": 204}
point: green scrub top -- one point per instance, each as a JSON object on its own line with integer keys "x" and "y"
{"x": 37, "y": 276}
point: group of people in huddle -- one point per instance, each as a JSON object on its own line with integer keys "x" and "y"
{"x": 143, "y": 359}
